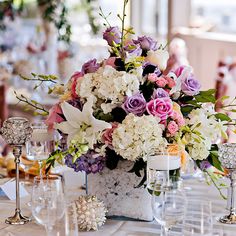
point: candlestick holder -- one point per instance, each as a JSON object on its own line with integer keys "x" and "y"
{"x": 16, "y": 131}
{"x": 227, "y": 157}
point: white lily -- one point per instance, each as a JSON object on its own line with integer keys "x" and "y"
{"x": 185, "y": 73}
{"x": 81, "y": 123}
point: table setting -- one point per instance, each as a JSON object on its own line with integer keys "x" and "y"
{"x": 126, "y": 147}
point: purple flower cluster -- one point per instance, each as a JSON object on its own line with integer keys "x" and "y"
{"x": 204, "y": 165}
{"x": 90, "y": 162}
{"x": 112, "y": 35}
{"x": 135, "y": 104}
{"x": 133, "y": 49}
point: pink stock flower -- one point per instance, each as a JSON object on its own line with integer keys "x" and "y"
{"x": 161, "y": 82}
{"x": 160, "y": 107}
{"x": 107, "y": 135}
{"x": 152, "y": 77}
{"x": 180, "y": 120}
{"x": 54, "y": 116}
{"x": 111, "y": 62}
{"x": 74, "y": 79}
{"x": 179, "y": 70}
{"x": 170, "y": 82}
{"x": 172, "y": 128}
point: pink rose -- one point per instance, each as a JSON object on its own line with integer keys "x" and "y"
{"x": 74, "y": 78}
{"x": 152, "y": 77}
{"x": 172, "y": 128}
{"x": 160, "y": 107}
{"x": 161, "y": 82}
{"x": 107, "y": 135}
{"x": 55, "y": 116}
{"x": 111, "y": 62}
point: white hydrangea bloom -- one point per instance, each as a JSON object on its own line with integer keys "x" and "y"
{"x": 138, "y": 136}
{"x": 109, "y": 86}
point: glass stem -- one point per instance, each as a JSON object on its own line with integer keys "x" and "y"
{"x": 27, "y": 176}
{"x": 40, "y": 169}
{"x": 164, "y": 231}
{"x": 49, "y": 230}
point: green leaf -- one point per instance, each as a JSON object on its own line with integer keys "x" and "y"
{"x": 223, "y": 98}
{"x": 187, "y": 109}
{"x": 222, "y": 117}
{"x": 213, "y": 159}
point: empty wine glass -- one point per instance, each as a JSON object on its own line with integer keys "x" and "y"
{"x": 168, "y": 208}
{"x": 26, "y": 164}
{"x": 198, "y": 217}
{"x": 41, "y": 144}
{"x": 47, "y": 201}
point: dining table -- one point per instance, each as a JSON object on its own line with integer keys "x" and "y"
{"x": 193, "y": 186}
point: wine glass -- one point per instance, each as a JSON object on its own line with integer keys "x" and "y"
{"x": 47, "y": 201}
{"x": 168, "y": 208}
{"x": 197, "y": 218}
{"x": 41, "y": 144}
{"x": 26, "y": 164}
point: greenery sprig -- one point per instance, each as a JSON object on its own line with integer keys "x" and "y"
{"x": 39, "y": 109}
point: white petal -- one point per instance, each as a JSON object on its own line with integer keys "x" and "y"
{"x": 65, "y": 127}
{"x": 73, "y": 115}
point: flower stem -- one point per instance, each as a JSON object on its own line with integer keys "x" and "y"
{"x": 213, "y": 181}
{"x": 123, "y": 24}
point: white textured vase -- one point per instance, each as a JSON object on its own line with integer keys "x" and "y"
{"x": 117, "y": 189}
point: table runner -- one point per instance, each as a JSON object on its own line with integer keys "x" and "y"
{"x": 194, "y": 187}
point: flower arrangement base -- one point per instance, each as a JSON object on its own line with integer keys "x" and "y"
{"x": 117, "y": 190}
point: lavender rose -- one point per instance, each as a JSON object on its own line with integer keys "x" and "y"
{"x": 190, "y": 86}
{"x": 111, "y": 35}
{"x": 90, "y": 66}
{"x": 133, "y": 49}
{"x": 135, "y": 104}
{"x": 159, "y": 93}
{"x": 146, "y": 43}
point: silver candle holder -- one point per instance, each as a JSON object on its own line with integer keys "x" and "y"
{"x": 16, "y": 131}
{"x": 227, "y": 157}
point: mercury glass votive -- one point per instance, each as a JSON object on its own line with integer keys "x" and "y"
{"x": 16, "y": 131}
{"x": 227, "y": 157}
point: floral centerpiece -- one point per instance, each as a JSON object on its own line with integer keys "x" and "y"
{"x": 127, "y": 106}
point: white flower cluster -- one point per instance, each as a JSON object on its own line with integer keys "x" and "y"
{"x": 137, "y": 137}
{"x": 206, "y": 131}
{"x": 108, "y": 87}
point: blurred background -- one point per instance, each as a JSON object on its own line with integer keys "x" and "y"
{"x": 57, "y": 37}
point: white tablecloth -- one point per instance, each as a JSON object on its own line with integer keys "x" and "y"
{"x": 120, "y": 228}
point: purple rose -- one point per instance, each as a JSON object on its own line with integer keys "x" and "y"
{"x": 111, "y": 35}
{"x": 90, "y": 66}
{"x": 190, "y": 86}
{"x": 159, "y": 93}
{"x": 146, "y": 43}
{"x": 133, "y": 49}
{"x": 135, "y": 104}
